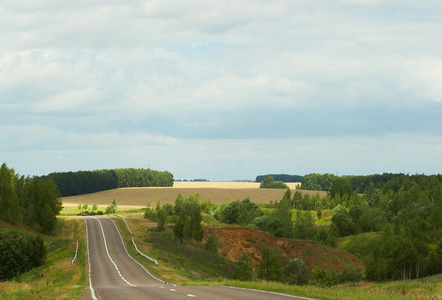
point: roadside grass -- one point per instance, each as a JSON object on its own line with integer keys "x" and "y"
{"x": 426, "y": 289}
{"x": 175, "y": 269}
{"x": 177, "y": 263}
{"x": 56, "y": 278}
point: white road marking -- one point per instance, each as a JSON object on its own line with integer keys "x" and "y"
{"x": 266, "y": 292}
{"x": 108, "y": 255}
{"x": 172, "y": 290}
{"x": 190, "y": 295}
{"x": 124, "y": 245}
{"x": 89, "y": 262}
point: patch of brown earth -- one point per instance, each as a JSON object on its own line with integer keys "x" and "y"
{"x": 234, "y": 241}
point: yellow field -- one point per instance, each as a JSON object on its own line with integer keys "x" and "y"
{"x": 217, "y": 192}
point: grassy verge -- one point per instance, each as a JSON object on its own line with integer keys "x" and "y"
{"x": 427, "y": 288}
{"x": 57, "y": 278}
{"x": 174, "y": 269}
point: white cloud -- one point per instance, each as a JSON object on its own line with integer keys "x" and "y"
{"x": 140, "y": 76}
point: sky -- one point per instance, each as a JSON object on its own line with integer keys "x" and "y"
{"x": 221, "y": 90}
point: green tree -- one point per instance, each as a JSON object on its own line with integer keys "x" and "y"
{"x": 112, "y": 208}
{"x": 296, "y": 272}
{"x": 180, "y": 227}
{"x": 341, "y": 219}
{"x": 281, "y": 224}
{"x": 189, "y": 223}
{"x": 9, "y": 202}
{"x": 162, "y": 218}
{"x": 319, "y": 213}
{"x": 243, "y": 269}
{"x": 179, "y": 204}
{"x": 212, "y": 243}
{"x": 341, "y": 186}
{"x": 322, "y": 277}
{"x": 304, "y": 227}
{"x": 270, "y": 267}
{"x": 269, "y": 183}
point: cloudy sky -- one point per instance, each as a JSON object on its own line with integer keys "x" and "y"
{"x": 221, "y": 90}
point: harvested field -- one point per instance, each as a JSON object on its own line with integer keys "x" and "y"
{"x": 217, "y": 192}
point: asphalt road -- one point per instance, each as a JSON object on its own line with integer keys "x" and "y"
{"x": 114, "y": 274}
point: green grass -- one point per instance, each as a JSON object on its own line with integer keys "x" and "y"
{"x": 56, "y": 278}
{"x": 426, "y": 289}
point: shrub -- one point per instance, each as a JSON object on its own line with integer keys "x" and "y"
{"x": 243, "y": 269}
{"x": 351, "y": 274}
{"x": 112, "y": 208}
{"x": 212, "y": 243}
{"x": 20, "y": 252}
{"x": 322, "y": 277}
{"x": 296, "y": 272}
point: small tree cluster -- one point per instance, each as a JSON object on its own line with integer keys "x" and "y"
{"x": 112, "y": 208}
{"x": 188, "y": 226}
{"x": 238, "y": 212}
{"x": 269, "y": 183}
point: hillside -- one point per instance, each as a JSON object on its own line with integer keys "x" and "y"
{"x": 234, "y": 241}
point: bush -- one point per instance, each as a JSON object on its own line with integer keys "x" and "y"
{"x": 296, "y": 272}
{"x": 20, "y": 252}
{"x": 112, "y": 208}
{"x": 322, "y": 277}
{"x": 212, "y": 243}
{"x": 351, "y": 274}
{"x": 243, "y": 269}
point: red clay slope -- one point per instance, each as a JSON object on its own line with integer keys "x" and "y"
{"x": 234, "y": 241}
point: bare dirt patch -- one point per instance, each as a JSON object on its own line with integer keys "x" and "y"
{"x": 233, "y": 242}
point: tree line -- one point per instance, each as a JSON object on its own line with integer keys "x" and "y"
{"x": 280, "y": 177}
{"x": 29, "y": 201}
{"x": 86, "y": 182}
{"x": 323, "y": 182}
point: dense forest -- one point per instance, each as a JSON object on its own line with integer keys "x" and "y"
{"x": 394, "y": 220}
{"x": 85, "y": 182}
{"x": 280, "y": 177}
